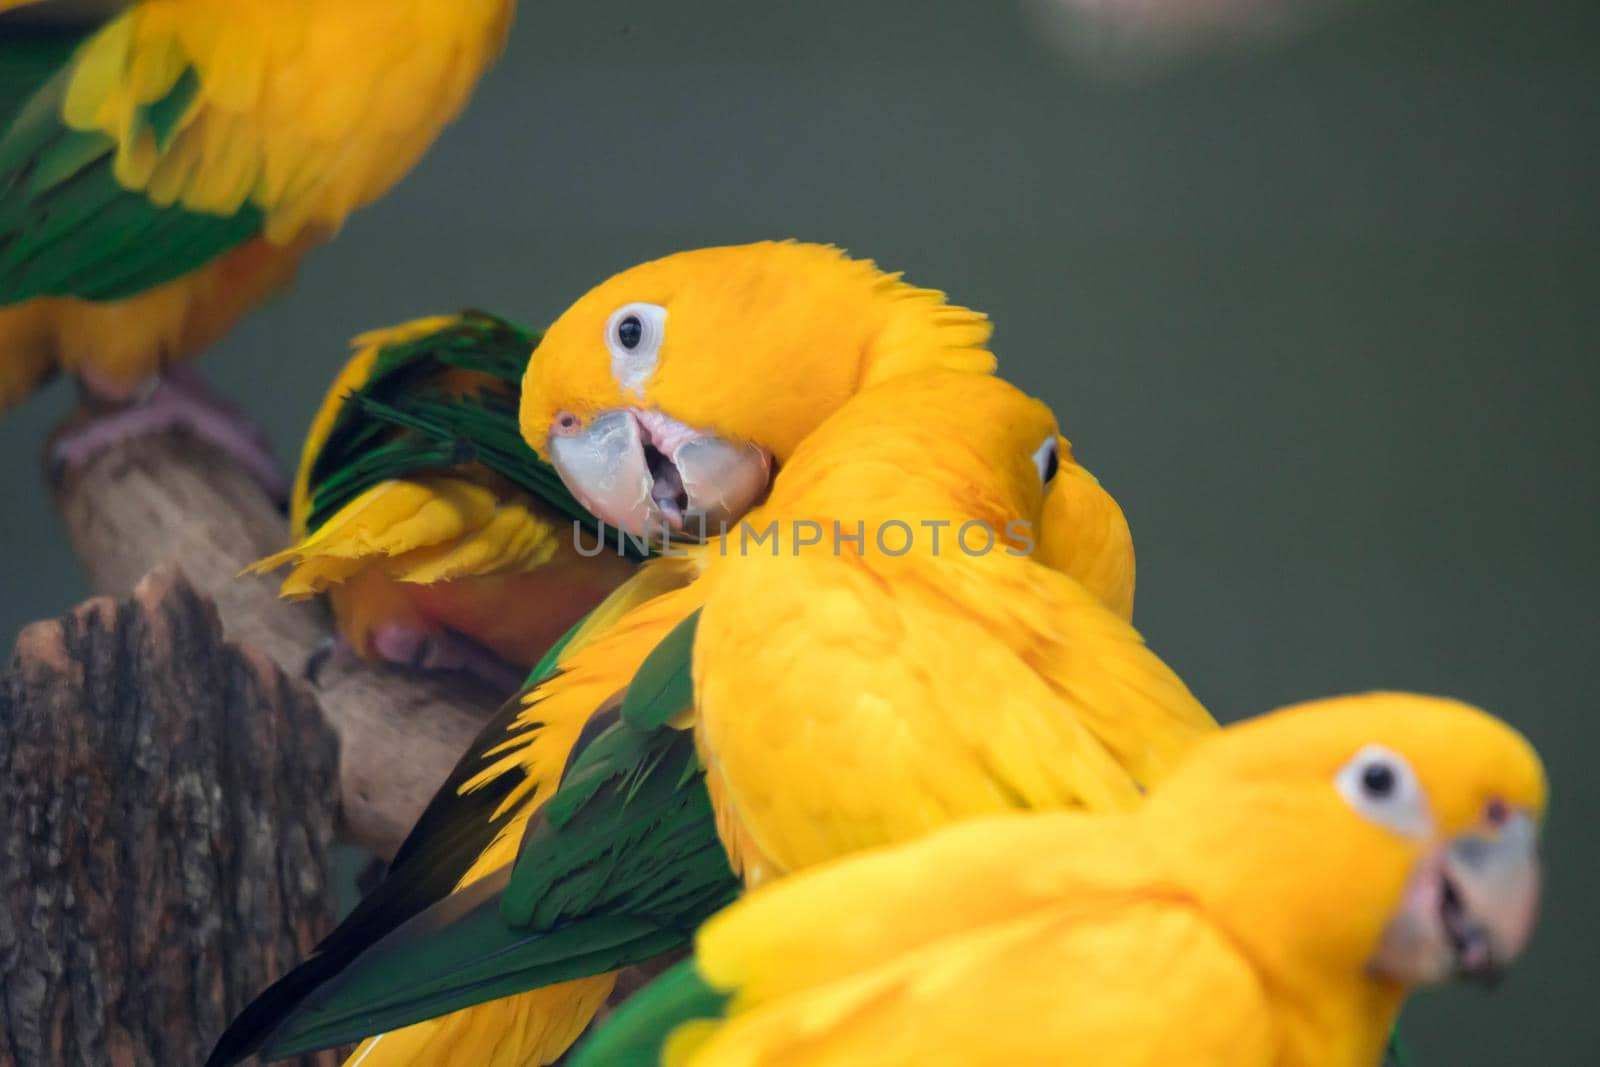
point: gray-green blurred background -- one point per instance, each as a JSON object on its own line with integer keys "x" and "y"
{"x": 1323, "y": 315}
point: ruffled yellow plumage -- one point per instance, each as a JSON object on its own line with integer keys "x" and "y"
{"x": 303, "y": 110}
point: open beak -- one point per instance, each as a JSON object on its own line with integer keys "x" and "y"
{"x": 644, "y": 472}
{"x": 1468, "y": 909}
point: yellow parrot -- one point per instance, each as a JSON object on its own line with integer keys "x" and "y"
{"x": 445, "y": 555}
{"x": 1271, "y": 904}
{"x": 164, "y": 170}
{"x": 902, "y": 548}
{"x": 622, "y": 856}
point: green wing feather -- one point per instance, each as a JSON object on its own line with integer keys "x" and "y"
{"x": 663, "y": 686}
{"x": 635, "y": 1035}
{"x": 406, "y": 419}
{"x": 367, "y": 446}
{"x": 403, "y": 421}
{"x": 620, "y": 877}
{"x": 67, "y": 227}
{"x": 620, "y": 866}
{"x": 447, "y": 839}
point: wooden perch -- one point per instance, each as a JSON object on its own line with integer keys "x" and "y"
{"x": 164, "y": 498}
{"x": 167, "y": 800}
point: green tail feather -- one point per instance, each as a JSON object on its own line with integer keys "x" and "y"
{"x": 462, "y": 956}
{"x": 622, "y": 874}
{"x": 637, "y": 1033}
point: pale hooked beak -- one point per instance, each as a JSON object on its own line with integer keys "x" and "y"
{"x": 644, "y": 472}
{"x": 1469, "y": 906}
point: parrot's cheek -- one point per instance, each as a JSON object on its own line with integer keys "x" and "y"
{"x": 1468, "y": 909}
{"x": 654, "y": 477}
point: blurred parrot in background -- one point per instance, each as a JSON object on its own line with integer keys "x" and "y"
{"x": 441, "y": 540}
{"x": 1271, "y": 903}
{"x": 165, "y": 168}
{"x": 621, "y": 857}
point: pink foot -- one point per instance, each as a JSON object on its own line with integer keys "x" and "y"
{"x": 180, "y": 400}
{"x": 441, "y": 650}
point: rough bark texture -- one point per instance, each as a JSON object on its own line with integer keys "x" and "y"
{"x": 163, "y": 498}
{"x": 167, "y": 801}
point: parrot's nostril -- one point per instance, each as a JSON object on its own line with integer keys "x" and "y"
{"x": 567, "y": 424}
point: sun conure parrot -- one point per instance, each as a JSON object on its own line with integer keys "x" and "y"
{"x": 163, "y": 170}
{"x": 439, "y": 538}
{"x": 1271, "y": 903}
{"x": 623, "y": 859}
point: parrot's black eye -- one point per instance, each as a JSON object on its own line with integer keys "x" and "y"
{"x": 1047, "y": 459}
{"x": 634, "y": 333}
{"x": 1382, "y": 787}
{"x": 1378, "y": 780}
{"x": 629, "y": 332}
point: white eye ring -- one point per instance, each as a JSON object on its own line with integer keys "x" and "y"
{"x": 634, "y": 333}
{"x": 1381, "y": 786}
{"x": 1047, "y": 460}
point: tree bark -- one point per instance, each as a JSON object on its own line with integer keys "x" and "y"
{"x": 167, "y": 801}
{"x": 161, "y": 498}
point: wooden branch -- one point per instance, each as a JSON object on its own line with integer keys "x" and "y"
{"x": 163, "y": 498}
{"x": 167, "y": 800}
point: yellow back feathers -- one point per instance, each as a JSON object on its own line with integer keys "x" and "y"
{"x": 754, "y": 342}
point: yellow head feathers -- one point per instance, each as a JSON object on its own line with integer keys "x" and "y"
{"x": 754, "y": 342}
{"x": 1462, "y": 756}
{"x": 963, "y": 447}
{"x": 1083, "y": 534}
{"x": 1369, "y": 803}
